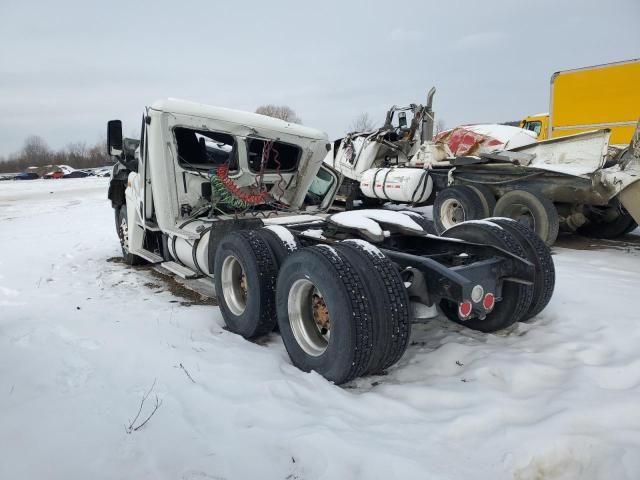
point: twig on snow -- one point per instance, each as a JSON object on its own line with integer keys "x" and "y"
{"x": 155, "y": 409}
{"x": 185, "y": 371}
{"x": 132, "y": 427}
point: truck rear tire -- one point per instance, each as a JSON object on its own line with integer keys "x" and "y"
{"x": 427, "y": 224}
{"x": 531, "y": 209}
{"x": 389, "y": 302}
{"x": 324, "y": 314}
{"x": 280, "y": 248}
{"x": 245, "y": 272}
{"x": 455, "y": 205}
{"x": 599, "y": 228}
{"x": 122, "y": 228}
{"x": 516, "y": 297}
{"x": 538, "y": 253}
{"x": 487, "y": 197}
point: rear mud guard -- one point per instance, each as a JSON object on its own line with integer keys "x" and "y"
{"x": 222, "y": 227}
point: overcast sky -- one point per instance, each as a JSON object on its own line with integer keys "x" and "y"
{"x": 68, "y": 67}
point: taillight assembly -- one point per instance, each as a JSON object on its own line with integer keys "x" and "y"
{"x": 489, "y": 301}
{"x": 464, "y": 310}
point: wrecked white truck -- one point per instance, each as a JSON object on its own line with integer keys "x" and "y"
{"x": 240, "y": 200}
{"x": 577, "y": 183}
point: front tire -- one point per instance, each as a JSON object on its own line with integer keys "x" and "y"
{"x": 122, "y": 228}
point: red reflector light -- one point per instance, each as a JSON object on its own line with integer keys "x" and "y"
{"x": 489, "y": 302}
{"x": 465, "y": 309}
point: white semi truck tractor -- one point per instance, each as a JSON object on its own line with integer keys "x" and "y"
{"x": 241, "y": 200}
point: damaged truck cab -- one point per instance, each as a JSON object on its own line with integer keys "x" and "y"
{"x": 187, "y": 155}
{"x": 240, "y": 200}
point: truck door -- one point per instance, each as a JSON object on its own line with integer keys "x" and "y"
{"x": 146, "y": 176}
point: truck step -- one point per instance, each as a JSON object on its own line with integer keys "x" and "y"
{"x": 180, "y": 270}
{"x": 152, "y": 226}
{"x": 147, "y": 255}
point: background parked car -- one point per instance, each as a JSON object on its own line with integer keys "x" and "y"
{"x": 76, "y": 174}
{"x": 26, "y": 176}
{"x": 56, "y": 174}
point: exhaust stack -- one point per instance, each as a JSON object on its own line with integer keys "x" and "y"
{"x": 428, "y": 118}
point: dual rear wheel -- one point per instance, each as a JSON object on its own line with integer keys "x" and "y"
{"x": 461, "y": 203}
{"x": 342, "y": 310}
{"x": 518, "y": 301}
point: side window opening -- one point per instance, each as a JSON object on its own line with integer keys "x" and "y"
{"x": 534, "y": 127}
{"x": 280, "y": 157}
{"x": 319, "y": 187}
{"x": 203, "y": 149}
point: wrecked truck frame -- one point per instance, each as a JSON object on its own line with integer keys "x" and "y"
{"x": 575, "y": 183}
{"x": 240, "y": 201}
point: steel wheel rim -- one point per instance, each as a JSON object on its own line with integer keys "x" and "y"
{"x": 309, "y": 317}
{"x": 234, "y": 285}
{"x": 124, "y": 231}
{"x": 451, "y": 213}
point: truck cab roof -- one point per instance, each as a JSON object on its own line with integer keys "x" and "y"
{"x": 184, "y": 107}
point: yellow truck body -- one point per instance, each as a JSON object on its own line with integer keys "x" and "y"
{"x": 590, "y": 98}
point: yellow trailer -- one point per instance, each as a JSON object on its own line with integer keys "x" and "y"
{"x": 590, "y": 98}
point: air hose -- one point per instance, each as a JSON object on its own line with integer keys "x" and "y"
{"x": 231, "y": 194}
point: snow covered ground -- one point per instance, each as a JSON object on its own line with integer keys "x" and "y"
{"x": 83, "y": 337}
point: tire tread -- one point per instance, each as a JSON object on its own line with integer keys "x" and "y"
{"x": 393, "y": 321}
{"x": 546, "y": 266}
{"x": 352, "y": 282}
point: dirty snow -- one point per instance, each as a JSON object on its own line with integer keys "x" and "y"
{"x": 82, "y": 338}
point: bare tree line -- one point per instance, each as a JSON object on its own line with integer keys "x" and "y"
{"x": 36, "y": 153}
{"x": 283, "y": 112}
{"x": 364, "y": 123}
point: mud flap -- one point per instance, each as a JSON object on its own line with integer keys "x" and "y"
{"x": 222, "y": 227}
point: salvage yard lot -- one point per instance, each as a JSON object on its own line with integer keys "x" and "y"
{"x": 83, "y": 337}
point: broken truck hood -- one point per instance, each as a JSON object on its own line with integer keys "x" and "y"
{"x": 579, "y": 155}
{"x": 585, "y": 155}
